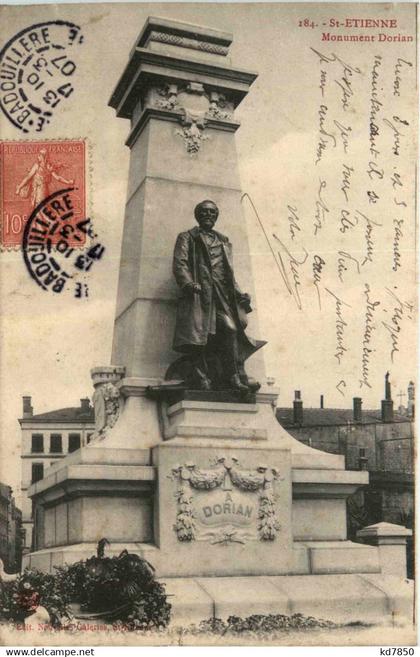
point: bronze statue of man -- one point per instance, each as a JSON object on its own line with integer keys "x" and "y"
{"x": 211, "y": 317}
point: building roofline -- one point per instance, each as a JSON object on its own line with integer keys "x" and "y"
{"x": 55, "y": 420}
{"x": 369, "y": 417}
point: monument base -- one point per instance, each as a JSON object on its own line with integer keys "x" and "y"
{"x": 338, "y": 598}
{"x": 368, "y": 597}
{"x": 236, "y": 516}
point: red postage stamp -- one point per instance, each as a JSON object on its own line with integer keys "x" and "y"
{"x": 30, "y": 172}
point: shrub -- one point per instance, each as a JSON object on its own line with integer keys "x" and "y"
{"x": 258, "y": 626}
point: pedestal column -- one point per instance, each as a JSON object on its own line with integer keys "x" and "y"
{"x": 180, "y": 93}
{"x": 392, "y": 542}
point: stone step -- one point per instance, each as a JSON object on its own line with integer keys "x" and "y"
{"x": 372, "y": 598}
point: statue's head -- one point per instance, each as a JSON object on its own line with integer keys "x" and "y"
{"x": 206, "y": 214}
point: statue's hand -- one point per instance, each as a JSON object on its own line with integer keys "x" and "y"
{"x": 192, "y": 288}
{"x": 245, "y": 302}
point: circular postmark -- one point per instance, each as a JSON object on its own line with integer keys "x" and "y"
{"x": 36, "y": 72}
{"x": 52, "y": 244}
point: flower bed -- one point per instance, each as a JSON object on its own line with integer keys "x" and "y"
{"x": 122, "y": 588}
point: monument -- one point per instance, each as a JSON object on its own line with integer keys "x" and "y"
{"x": 211, "y": 316}
{"x": 188, "y": 466}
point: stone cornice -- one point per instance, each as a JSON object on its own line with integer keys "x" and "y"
{"x": 78, "y": 478}
{"x": 327, "y": 484}
{"x": 145, "y": 64}
{"x": 385, "y": 533}
{"x": 136, "y": 386}
{"x": 182, "y": 30}
{"x": 187, "y": 42}
{"x": 174, "y": 116}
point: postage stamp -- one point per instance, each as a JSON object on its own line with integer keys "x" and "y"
{"x": 29, "y": 173}
{"x": 48, "y": 242}
{"x": 36, "y": 72}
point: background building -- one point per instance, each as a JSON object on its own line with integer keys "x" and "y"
{"x": 10, "y": 530}
{"x": 46, "y": 438}
{"x": 380, "y": 441}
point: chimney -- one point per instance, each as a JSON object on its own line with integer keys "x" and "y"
{"x": 357, "y": 409}
{"x": 387, "y": 405}
{"x": 85, "y": 404}
{"x": 411, "y": 399}
{"x": 28, "y": 411}
{"x": 297, "y": 408}
{"x": 321, "y": 401}
{"x": 387, "y": 388}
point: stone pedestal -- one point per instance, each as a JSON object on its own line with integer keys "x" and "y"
{"x": 177, "y": 450}
{"x": 392, "y": 543}
{"x": 191, "y": 504}
{"x": 236, "y": 515}
{"x": 225, "y": 530}
{"x": 180, "y": 93}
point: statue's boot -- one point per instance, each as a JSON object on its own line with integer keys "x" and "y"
{"x": 249, "y": 382}
{"x": 236, "y": 384}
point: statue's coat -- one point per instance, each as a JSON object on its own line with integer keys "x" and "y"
{"x": 191, "y": 264}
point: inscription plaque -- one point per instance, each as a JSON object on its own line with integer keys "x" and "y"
{"x": 225, "y": 503}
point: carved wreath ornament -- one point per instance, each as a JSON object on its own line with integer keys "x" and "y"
{"x": 107, "y": 404}
{"x": 196, "y": 107}
{"x": 260, "y": 480}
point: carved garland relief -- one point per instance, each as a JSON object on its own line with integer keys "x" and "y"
{"x": 195, "y": 107}
{"x": 244, "y": 509}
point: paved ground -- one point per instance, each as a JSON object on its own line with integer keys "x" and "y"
{"x": 366, "y": 636}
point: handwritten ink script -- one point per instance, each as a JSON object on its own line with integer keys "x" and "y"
{"x": 344, "y": 230}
